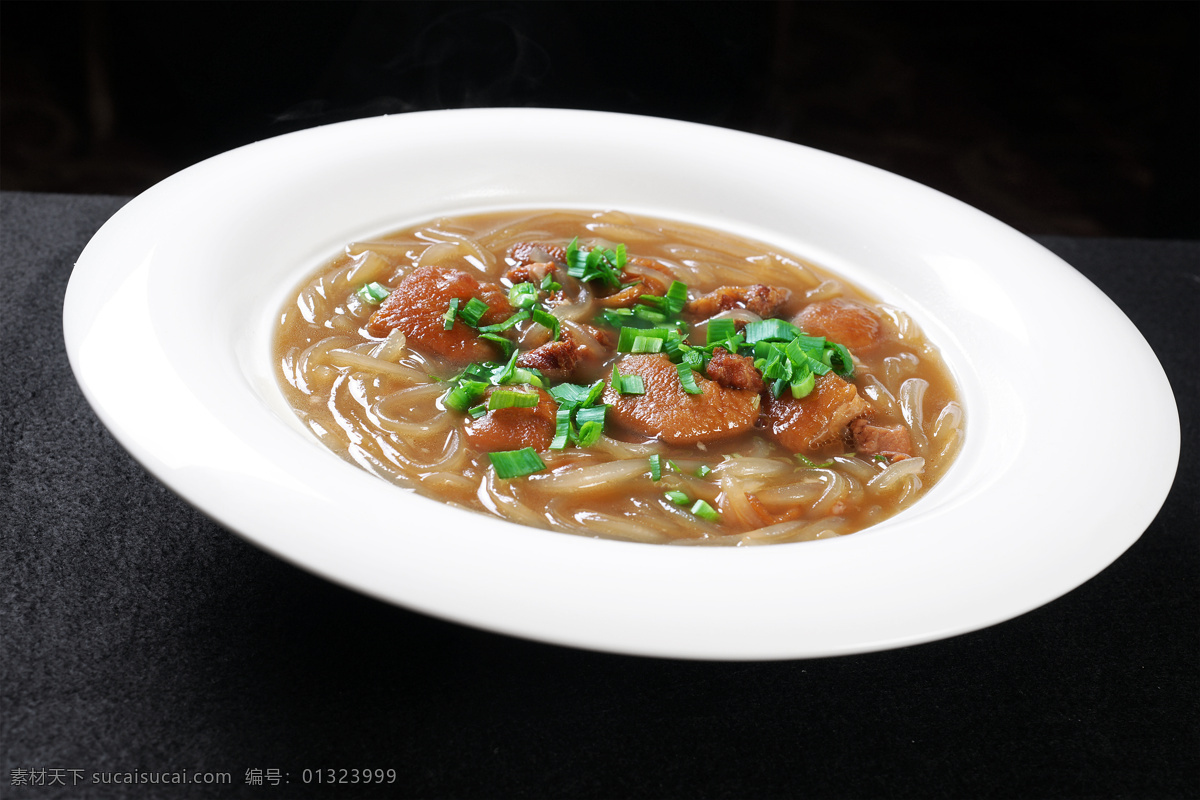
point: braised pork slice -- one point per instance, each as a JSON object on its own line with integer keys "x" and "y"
{"x": 418, "y": 307}
{"x": 514, "y": 428}
{"x": 762, "y": 300}
{"x": 733, "y": 371}
{"x": 893, "y": 441}
{"x": 846, "y": 322}
{"x": 669, "y": 413}
{"x": 819, "y": 419}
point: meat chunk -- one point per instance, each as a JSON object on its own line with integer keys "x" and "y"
{"x": 893, "y": 441}
{"x": 514, "y": 428}
{"x": 556, "y": 360}
{"x": 669, "y": 413}
{"x": 523, "y": 253}
{"x": 766, "y": 301}
{"x": 819, "y": 419}
{"x": 570, "y": 354}
{"x": 534, "y": 272}
{"x": 734, "y": 371}
{"x": 846, "y": 322}
{"x": 418, "y": 307}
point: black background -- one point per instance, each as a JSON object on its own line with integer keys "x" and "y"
{"x": 1075, "y": 118}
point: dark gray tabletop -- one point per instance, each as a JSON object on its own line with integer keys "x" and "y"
{"x": 142, "y": 642}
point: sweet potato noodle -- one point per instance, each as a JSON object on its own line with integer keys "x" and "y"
{"x": 618, "y": 376}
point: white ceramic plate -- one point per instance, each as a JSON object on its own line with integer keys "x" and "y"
{"x": 169, "y": 312}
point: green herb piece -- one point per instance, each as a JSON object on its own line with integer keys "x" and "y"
{"x": 687, "y": 377}
{"x": 677, "y": 497}
{"x": 719, "y": 330}
{"x": 703, "y": 471}
{"x": 770, "y": 330}
{"x": 477, "y": 411}
{"x": 523, "y": 295}
{"x": 547, "y": 320}
{"x": 499, "y": 327}
{"x": 655, "y": 467}
{"x": 515, "y": 463}
{"x": 562, "y": 428}
{"x": 589, "y": 433}
{"x": 803, "y": 387}
{"x": 627, "y": 384}
{"x": 509, "y": 398}
{"x": 677, "y": 296}
{"x": 881, "y": 458}
{"x": 705, "y": 511}
{"x": 450, "y": 315}
{"x": 591, "y": 414}
{"x": 506, "y": 345}
{"x": 598, "y": 264}
{"x": 372, "y": 293}
{"x": 464, "y": 394}
{"x": 549, "y": 284}
{"x": 808, "y": 462}
{"x": 473, "y": 311}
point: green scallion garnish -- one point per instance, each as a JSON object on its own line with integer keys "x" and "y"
{"x": 473, "y": 311}
{"x": 687, "y": 377}
{"x": 705, "y": 511}
{"x": 515, "y": 463}
{"x": 677, "y": 497}
{"x": 450, "y": 315}
{"x": 522, "y": 295}
{"x": 655, "y": 467}
{"x": 509, "y": 398}
{"x": 373, "y": 293}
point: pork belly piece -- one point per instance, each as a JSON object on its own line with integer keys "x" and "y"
{"x": 766, "y": 301}
{"x": 669, "y": 413}
{"x": 821, "y": 418}
{"x": 733, "y": 371}
{"x": 514, "y": 428}
{"x": 893, "y": 441}
{"x": 418, "y": 307}
{"x": 846, "y": 322}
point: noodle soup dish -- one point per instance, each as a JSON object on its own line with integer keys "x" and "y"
{"x": 618, "y": 376}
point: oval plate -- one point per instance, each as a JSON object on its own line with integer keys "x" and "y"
{"x": 170, "y": 310}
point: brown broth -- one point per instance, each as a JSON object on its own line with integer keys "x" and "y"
{"x": 385, "y": 415}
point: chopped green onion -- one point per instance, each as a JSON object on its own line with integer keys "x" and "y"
{"x": 598, "y": 264}
{"x": 703, "y": 471}
{"x": 522, "y": 295}
{"x": 677, "y": 296}
{"x": 803, "y": 387}
{"x": 520, "y": 316}
{"x": 562, "y": 428}
{"x": 515, "y": 463}
{"x": 464, "y": 395}
{"x": 841, "y": 361}
{"x": 677, "y": 497}
{"x": 808, "y": 462}
{"x": 595, "y": 393}
{"x": 687, "y": 377}
{"x": 509, "y": 398}
{"x": 549, "y": 284}
{"x": 720, "y": 329}
{"x": 627, "y": 384}
{"x": 473, "y": 311}
{"x": 589, "y": 433}
{"x": 770, "y": 330}
{"x": 506, "y": 345}
{"x": 451, "y": 313}
{"x": 547, "y": 320}
{"x": 372, "y": 293}
{"x": 591, "y": 414}
{"x": 655, "y": 467}
{"x": 477, "y": 411}
{"x": 705, "y": 511}
{"x": 880, "y": 457}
